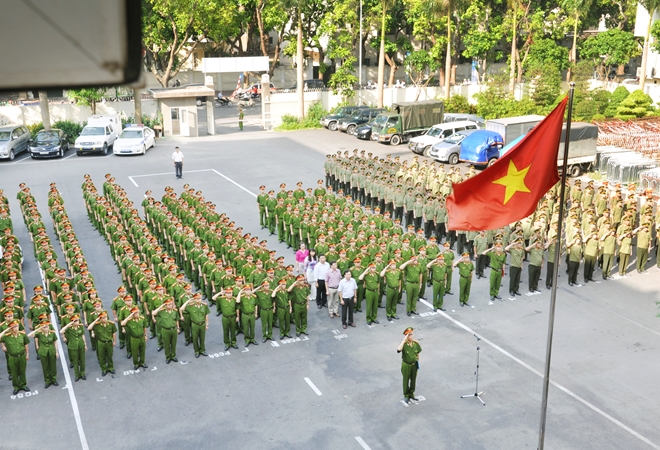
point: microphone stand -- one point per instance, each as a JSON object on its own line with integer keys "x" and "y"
{"x": 476, "y": 394}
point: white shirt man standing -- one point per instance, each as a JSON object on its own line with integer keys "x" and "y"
{"x": 320, "y": 270}
{"x": 177, "y": 157}
{"x": 347, "y": 296}
{"x": 332, "y": 280}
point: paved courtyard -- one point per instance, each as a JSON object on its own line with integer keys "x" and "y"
{"x": 336, "y": 389}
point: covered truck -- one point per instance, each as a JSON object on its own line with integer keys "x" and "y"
{"x": 511, "y": 128}
{"x": 582, "y": 150}
{"x": 481, "y": 148}
{"x": 408, "y": 120}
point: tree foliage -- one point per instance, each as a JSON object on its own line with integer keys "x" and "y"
{"x": 87, "y": 96}
{"x": 610, "y": 48}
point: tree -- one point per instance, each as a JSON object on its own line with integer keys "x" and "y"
{"x": 172, "y": 29}
{"x": 87, "y": 96}
{"x": 45, "y": 109}
{"x": 650, "y": 6}
{"x": 610, "y": 48}
{"x": 575, "y": 8}
{"x": 482, "y": 31}
{"x": 636, "y": 105}
{"x": 544, "y": 52}
{"x": 546, "y": 82}
{"x": 381, "y": 53}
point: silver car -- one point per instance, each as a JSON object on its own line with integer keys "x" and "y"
{"x": 13, "y": 140}
{"x": 449, "y": 149}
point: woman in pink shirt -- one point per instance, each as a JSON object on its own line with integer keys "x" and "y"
{"x": 300, "y": 257}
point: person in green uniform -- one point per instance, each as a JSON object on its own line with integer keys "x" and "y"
{"x": 624, "y": 240}
{"x": 300, "y": 299}
{"x": 393, "y": 283}
{"x": 167, "y": 318}
{"x": 497, "y": 261}
{"x": 608, "y": 242}
{"x": 15, "y": 344}
{"x": 448, "y": 253}
{"x": 465, "y": 269}
{"x": 198, "y": 312}
{"x": 372, "y": 289}
{"x": 227, "y": 305}
{"x": 575, "y": 252}
{"x": 536, "y": 256}
{"x": 410, "y": 350}
{"x": 262, "y": 198}
{"x": 591, "y": 244}
{"x": 117, "y": 304}
{"x": 438, "y": 276}
{"x": 265, "y": 310}
{"x": 44, "y": 341}
{"x": 283, "y": 307}
{"x": 241, "y": 116}
{"x": 413, "y": 276}
{"x": 74, "y": 335}
{"x": 247, "y": 303}
{"x": 517, "y": 252}
{"x": 136, "y": 331}
{"x": 105, "y": 331}
{"x": 643, "y": 246}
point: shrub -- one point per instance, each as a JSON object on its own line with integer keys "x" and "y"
{"x": 35, "y": 128}
{"x": 601, "y": 98}
{"x": 459, "y": 104}
{"x": 585, "y": 110}
{"x": 598, "y": 117}
{"x": 619, "y": 95}
{"x": 312, "y": 119}
{"x": 71, "y": 129}
{"x": 637, "y": 104}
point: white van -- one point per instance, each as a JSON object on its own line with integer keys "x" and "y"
{"x": 99, "y": 134}
{"x": 437, "y": 133}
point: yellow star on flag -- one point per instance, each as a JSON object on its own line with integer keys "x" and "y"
{"x": 514, "y": 181}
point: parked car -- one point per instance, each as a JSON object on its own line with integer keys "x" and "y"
{"x": 308, "y": 84}
{"x": 437, "y": 133}
{"x": 252, "y": 87}
{"x": 135, "y": 139}
{"x": 449, "y": 149}
{"x": 13, "y": 140}
{"x": 330, "y": 121}
{"x": 99, "y": 134}
{"x": 49, "y": 143}
{"x": 350, "y": 124}
{"x": 458, "y": 117}
{"x": 364, "y": 132}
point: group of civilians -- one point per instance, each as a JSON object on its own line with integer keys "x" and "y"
{"x": 329, "y": 287}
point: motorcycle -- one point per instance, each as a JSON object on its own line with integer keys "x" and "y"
{"x": 245, "y": 99}
{"x": 222, "y": 101}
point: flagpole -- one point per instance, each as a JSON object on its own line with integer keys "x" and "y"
{"x": 555, "y": 272}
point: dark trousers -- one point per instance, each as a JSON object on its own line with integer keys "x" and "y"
{"x": 461, "y": 241}
{"x": 451, "y": 237}
{"x": 321, "y": 295}
{"x": 549, "y": 273}
{"x": 398, "y": 213}
{"x": 573, "y": 267}
{"x": 418, "y": 222}
{"x": 534, "y": 275}
{"x": 440, "y": 231}
{"x": 178, "y": 169}
{"x": 428, "y": 229}
{"x": 409, "y": 219}
{"x": 514, "y": 278}
{"x": 348, "y": 305}
{"x": 481, "y": 264}
{"x": 589, "y": 267}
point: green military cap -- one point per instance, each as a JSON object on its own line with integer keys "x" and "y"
{"x": 408, "y": 331}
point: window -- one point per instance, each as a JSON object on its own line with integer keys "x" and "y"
{"x": 447, "y": 133}
{"x": 471, "y": 127}
{"x": 459, "y": 129}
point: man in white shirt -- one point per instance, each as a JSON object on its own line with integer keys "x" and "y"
{"x": 347, "y": 297}
{"x": 177, "y": 157}
{"x": 332, "y": 280}
{"x": 320, "y": 270}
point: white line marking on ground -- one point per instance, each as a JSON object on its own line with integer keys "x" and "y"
{"x": 133, "y": 181}
{"x": 70, "y": 156}
{"x": 314, "y": 388}
{"x": 67, "y": 377}
{"x": 557, "y": 385}
{"x": 362, "y": 443}
{"x": 232, "y": 181}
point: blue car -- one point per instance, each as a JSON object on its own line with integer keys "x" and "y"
{"x": 481, "y": 148}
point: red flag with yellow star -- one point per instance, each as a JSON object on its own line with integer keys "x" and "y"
{"x": 510, "y": 189}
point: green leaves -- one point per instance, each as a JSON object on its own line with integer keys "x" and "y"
{"x": 610, "y": 48}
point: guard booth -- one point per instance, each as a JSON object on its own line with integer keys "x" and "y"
{"x": 178, "y": 105}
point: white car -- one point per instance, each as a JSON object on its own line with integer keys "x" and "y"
{"x": 134, "y": 139}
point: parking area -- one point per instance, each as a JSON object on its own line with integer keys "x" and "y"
{"x": 336, "y": 388}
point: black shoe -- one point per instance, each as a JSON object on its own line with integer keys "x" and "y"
{"x": 70, "y": 367}
{"x": 264, "y": 340}
{"x": 38, "y": 357}
{"x": 281, "y": 338}
{"x": 254, "y": 343}
{"x": 442, "y": 309}
{"x": 112, "y": 371}
{"x": 196, "y": 355}
{"x": 167, "y": 361}
{"x": 368, "y": 323}
{"x": 47, "y": 385}
{"x": 77, "y": 378}
{"x": 319, "y": 306}
{"x": 226, "y": 347}
{"x": 83, "y": 378}
{"x": 104, "y": 373}
{"x": 462, "y": 305}
{"x": 570, "y": 284}
{"x": 175, "y": 360}
{"x": 376, "y": 322}
{"x": 423, "y": 298}
{"x": 129, "y": 356}
{"x": 415, "y": 313}
{"x": 517, "y": 293}
{"x": 55, "y": 384}
{"x": 492, "y": 298}
{"x": 16, "y": 390}
{"x": 247, "y": 344}
{"x": 187, "y": 344}
{"x": 449, "y": 293}
{"x": 152, "y": 336}
{"x": 414, "y": 399}
{"x": 160, "y": 348}
{"x": 235, "y": 346}
{"x": 408, "y": 314}
{"x": 498, "y": 297}
{"x": 395, "y": 317}
{"x": 297, "y": 334}
{"x": 204, "y": 354}
{"x": 93, "y": 349}
{"x": 217, "y": 314}
{"x": 136, "y": 367}
{"x": 389, "y": 319}
{"x": 122, "y": 345}
{"x": 406, "y": 400}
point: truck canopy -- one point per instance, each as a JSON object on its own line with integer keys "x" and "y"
{"x": 513, "y": 127}
{"x": 422, "y": 114}
{"x": 583, "y": 141}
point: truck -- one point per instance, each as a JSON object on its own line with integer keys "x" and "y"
{"x": 408, "y": 120}
{"x": 99, "y": 134}
{"x": 582, "y": 150}
{"x": 511, "y": 128}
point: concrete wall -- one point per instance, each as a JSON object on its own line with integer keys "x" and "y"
{"x": 183, "y": 103}
{"x": 28, "y": 115}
